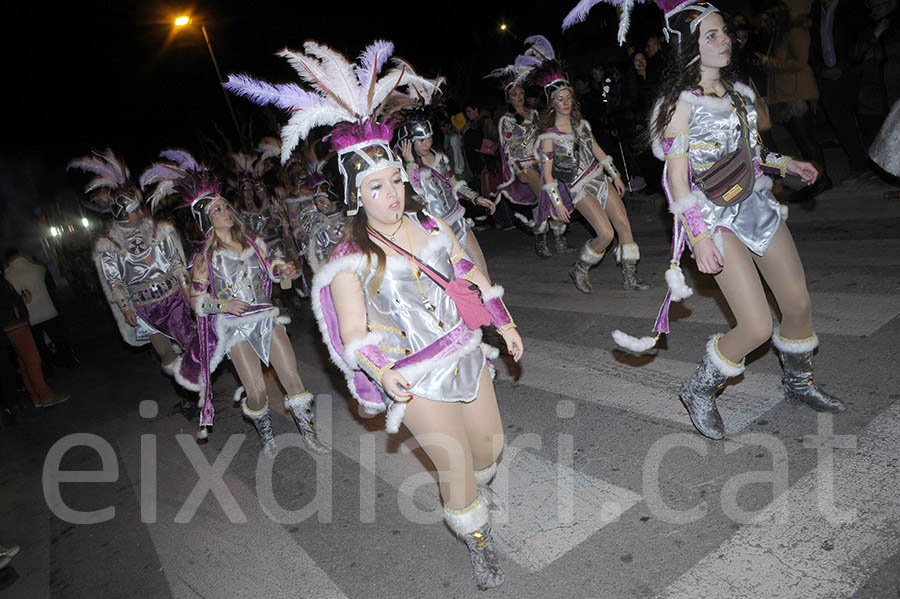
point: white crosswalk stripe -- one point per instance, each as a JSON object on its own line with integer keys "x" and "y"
{"x": 792, "y": 550}
{"x": 594, "y": 375}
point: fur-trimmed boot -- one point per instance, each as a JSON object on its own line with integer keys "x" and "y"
{"x": 540, "y": 245}
{"x": 483, "y": 479}
{"x": 472, "y": 525}
{"x": 796, "y": 361}
{"x": 300, "y": 407}
{"x": 628, "y": 255}
{"x": 579, "y": 271}
{"x": 263, "y": 423}
{"x": 699, "y": 392}
{"x": 560, "y": 243}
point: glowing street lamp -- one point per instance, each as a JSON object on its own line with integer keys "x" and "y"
{"x": 85, "y": 223}
{"x": 183, "y": 21}
{"x": 502, "y": 26}
{"x": 54, "y": 232}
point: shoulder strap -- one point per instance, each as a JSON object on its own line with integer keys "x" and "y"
{"x": 432, "y": 274}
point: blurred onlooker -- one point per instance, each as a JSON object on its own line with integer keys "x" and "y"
{"x": 641, "y": 93}
{"x": 14, "y": 318}
{"x": 29, "y": 278}
{"x": 836, "y": 26}
{"x": 656, "y": 59}
{"x": 453, "y": 149}
{"x": 877, "y": 53}
{"x": 792, "y": 85}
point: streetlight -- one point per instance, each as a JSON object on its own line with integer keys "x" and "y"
{"x": 183, "y": 21}
{"x": 85, "y": 223}
{"x": 502, "y": 26}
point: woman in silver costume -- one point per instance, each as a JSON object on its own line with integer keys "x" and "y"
{"x": 231, "y": 280}
{"x": 432, "y": 178}
{"x": 578, "y": 175}
{"x": 697, "y": 121}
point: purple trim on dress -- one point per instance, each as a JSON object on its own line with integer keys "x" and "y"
{"x": 462, "y": 267}
{"x": 171, "y": 316}
{"x": 445, "y": 346}
{"x": 666, "y": 144}
{"x": 693, "y": 216}
{"x": 373, "y": 354}
{"x": 512, "y": 189}
{"x": 499, "y": 314}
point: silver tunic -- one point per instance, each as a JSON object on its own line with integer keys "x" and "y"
{"x": 318, "y": 234}
{"x": 242, "y": 277}
{"x": 137, "y": 264}
{"x": 518, "y": 140}
{"x": 715, "y": 132}
{"x": 439, "y": 198}
{"x": 574, "y": 163}
{"x": 412, "y": 320}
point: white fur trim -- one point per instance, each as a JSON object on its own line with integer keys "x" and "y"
{"x": 629, "y": 251}
{"x": 745, "y": 90}
{"x": 791, "y": 346}
{"x": 686, "y": 202}
{"x": 352, "y": 346}
{"x": 558, "y": 229}
{"x": 483, "y": 477}
{"x": 633, "y": 344}
{"x": 589, "y": 256}
{"x": 492, "y": 292}
{"x": 254, "y": 415}
{"x": 677, "y": 284}
{"x": 529, "y": 222}
{"x": 763, "y": 183}
{"x": 203, "y": 432}
{"x": 468, "y": 520}
{"x": 170, "y": 367}
{"x": 299, "y": 402}
{"x": 394, "y": 417}
{"x": 457, "y": 187}
{"x": 490, "y": 352}
{"x": 238, "y": 393}
{"x": 784, "y": 212}
{"x": 710, "y": 102}
{"x": 415, "y": 370}
{"x": 281, "y": 319}
{"x": 723, "y": 366}
{"x": 176, "y": 374}
{"x": 548, "y": 187}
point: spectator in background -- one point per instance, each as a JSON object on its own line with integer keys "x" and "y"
{"x": 836, "y": 25}
{"x": 640, "y": 93}
{"x": 29, "y": 278}
{"x": 877, "y": 53}
{"x": 792, "y": 86}
{"x": 14, "y": 318}
{"x": 656, "y": 59}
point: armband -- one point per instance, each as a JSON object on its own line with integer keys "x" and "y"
{"x": 364, "y": 354}
{"x": 610, "y": 167}
{"x": 552, "y": 190}
{"x": 462, "y": 189}
{"x": 493, "y": 301}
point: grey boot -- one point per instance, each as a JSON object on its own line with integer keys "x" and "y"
{"x": 483, "y": 478}
{"x": 699, "y": 392}
{"x": 263, "y": 423}
{"x": 540, "y": 245}
{"x": 579, "y": 271}
{"x": 796, "y": 361}
{"x": 472, "y": 525}
{"x": 628, "y": 256}
{"x": 560, "y": 243}
{"x": 300, "y": 406}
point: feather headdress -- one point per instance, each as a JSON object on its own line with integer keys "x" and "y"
{"x": 112, "y": 178}
{"x": 515, "y": 74}
{"x": 669, "y": 8}
{"x": 193, "y": 185}
{"x": 350, "y": 95}
{"x": 548, "y": 72}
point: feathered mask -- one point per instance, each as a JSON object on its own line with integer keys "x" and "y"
{"x": 548, "y": 73}
{"x": 341, "y": 93}
{"x": 112, "y": 190}
{"x": 195, "y": 186}
{"x": 669, "y": 7}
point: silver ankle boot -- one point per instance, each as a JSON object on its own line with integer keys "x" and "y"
{"x": 300, "y": 407}
{"x": 628, "y": 256}
{"x": 796, "y": 361}
{"x": 579, "y": 271}
{"x": 263, "y": 422}
{"x": 472, "y": 525}
{"x": 699, "y": 392}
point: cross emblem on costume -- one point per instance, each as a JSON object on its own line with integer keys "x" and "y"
{"x": 136, "y": 245}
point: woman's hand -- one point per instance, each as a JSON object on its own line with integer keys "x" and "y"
{"x": 708, "y": 257}
{"x": 130, "y": 317}
{"x": 562, "y": 213}
{"x": 807, "y": 172}
{"x": 406, "y": 148}
{"x": 236, "y": 307}
{"x": 486, "y": 203}
{"x": 513, "y": 343}
{"x": 395, "y": 386}
{"x": 620, "y": 186}
{"x": 286, "y": 271}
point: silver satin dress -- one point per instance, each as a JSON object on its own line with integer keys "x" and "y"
{"x": 411, "y": 323}
{"x": 440, "y": 200}
{"x": 575, "y": 165}
{"x": 241, "y": 277}
{"x": 715, "y": 132}
{"x": 518, "y": 140}
{"x": 141, "y": 265}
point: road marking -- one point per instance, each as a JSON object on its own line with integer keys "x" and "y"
{"x": 805, "y": 555}
{"x": 594, "y": 375}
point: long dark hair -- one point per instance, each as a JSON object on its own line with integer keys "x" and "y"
{"x": 678, "y": 75}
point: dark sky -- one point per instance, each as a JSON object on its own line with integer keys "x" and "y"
{"x": 88, "y": 74}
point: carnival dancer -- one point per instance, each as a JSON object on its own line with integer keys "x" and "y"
{"x": 231, "y": 295}
{"x": 140, "y": 262}
{"x": 733, "y": 225}
{"x": 576, "y": 174}
{"x": 389, "y": 324}
{"x": 432, "y": 177}
{"x": 519, "y": 129}
{"x": 320, "y": 223}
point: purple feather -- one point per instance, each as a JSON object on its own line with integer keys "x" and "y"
{"x": 541, "y": 45}
{"x": 159, "y": 170}
{"x": 286, "y": 96}
{"x": 182, "y": 158}
{"x": 581, "y": 10}
{"x": 523, "y": 61}
{"x": 370, "y": 63}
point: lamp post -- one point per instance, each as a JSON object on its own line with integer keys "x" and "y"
{"x": 183, "y": 21}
